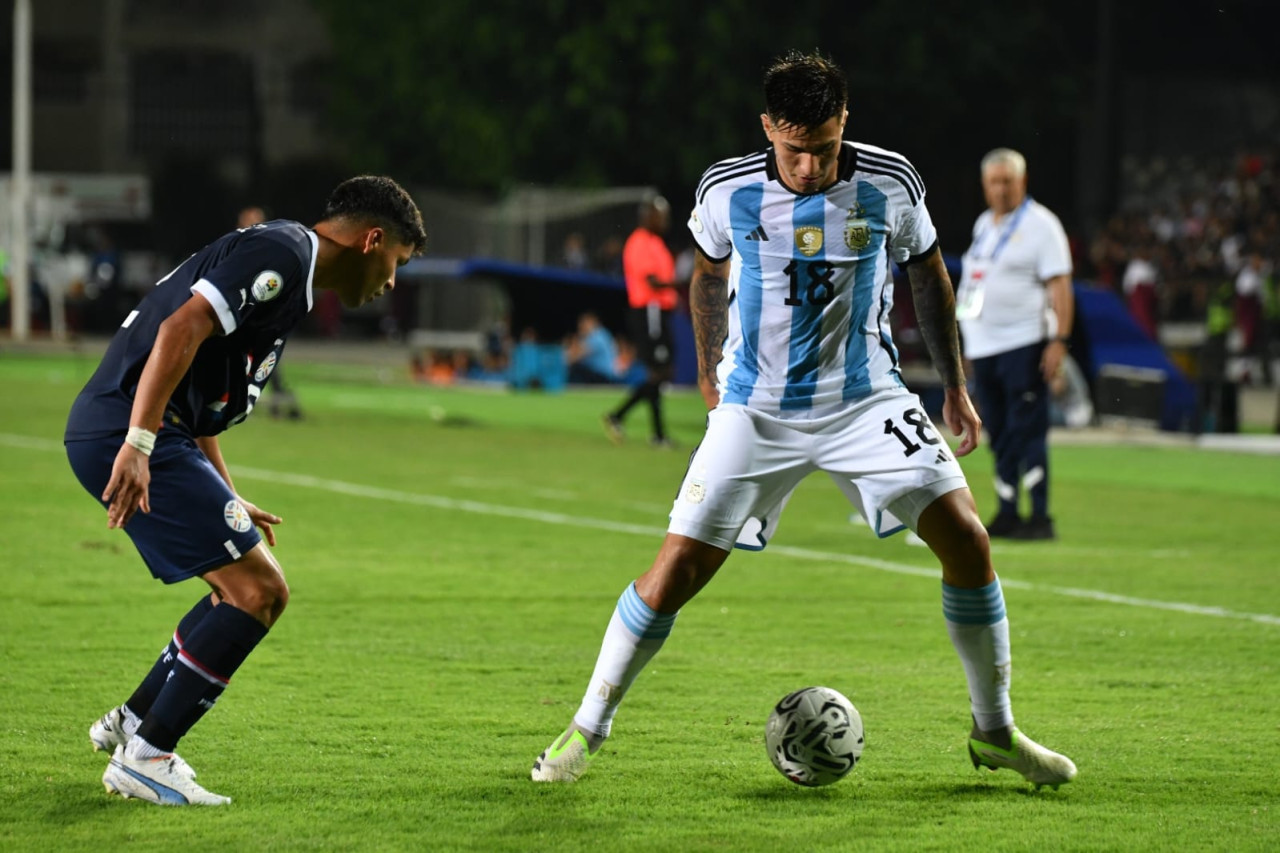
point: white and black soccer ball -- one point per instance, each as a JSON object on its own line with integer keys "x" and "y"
{"x": 814, "y": 736}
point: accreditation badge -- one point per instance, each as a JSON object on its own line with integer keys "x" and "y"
{"x": 972, "y": 291}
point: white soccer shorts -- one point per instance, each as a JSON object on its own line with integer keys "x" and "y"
{"x": 883, "y": 453}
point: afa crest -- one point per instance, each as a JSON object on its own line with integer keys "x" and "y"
{"x": 857, "y": 230}
{"x": 809, "y": 240}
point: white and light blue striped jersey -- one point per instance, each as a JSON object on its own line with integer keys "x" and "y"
{"x": 810, "y": 281}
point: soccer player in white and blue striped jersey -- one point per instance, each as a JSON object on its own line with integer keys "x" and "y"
{"x": 790, "y": 299}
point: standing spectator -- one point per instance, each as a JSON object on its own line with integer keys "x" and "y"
{"x": 650, "y": 272}
{"x": 1140, "y": 276}
{"x": 1015, "y": 308}
{"x": 1250, "y": 282}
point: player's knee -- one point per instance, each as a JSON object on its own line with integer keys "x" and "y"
{"x": 976, "y": 542}
{"x": 264, "y": 600}
{"x": 263, "y": 595}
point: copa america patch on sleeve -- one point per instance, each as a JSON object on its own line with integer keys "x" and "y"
{"x": 237, "y": 517}
{"x": 267, "y": 285}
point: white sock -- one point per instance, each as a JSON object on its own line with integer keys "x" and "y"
{"x": 131, "y": 721}
{"x": 979, "y": 631}
{"x": 635, "y": 633}
{"x": 140, "y": 749}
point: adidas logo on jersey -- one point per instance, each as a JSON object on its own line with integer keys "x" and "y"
{"x": 757, "y": 234}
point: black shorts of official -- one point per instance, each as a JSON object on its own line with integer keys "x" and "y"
{"x": 195, "y": 524}
{"x": 650, "y": 331}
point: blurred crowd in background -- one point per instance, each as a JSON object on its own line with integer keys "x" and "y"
{"x": 1197, "y": 243}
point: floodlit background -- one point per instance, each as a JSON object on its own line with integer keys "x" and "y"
{"x": 528, "y": 131}
{"x": 458, "y": 528}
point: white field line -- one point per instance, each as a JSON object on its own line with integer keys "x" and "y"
{"x": 306, "y": 481}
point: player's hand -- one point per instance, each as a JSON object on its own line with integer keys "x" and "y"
{"x": 264, "y": 520}
{"x": 962, "y": 419}
{"x": 710, "y": 395}
{"x": 1051, "y": 360}
{"x": 128, "y": 490}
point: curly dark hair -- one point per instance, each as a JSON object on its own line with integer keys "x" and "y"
{"x": 804, "y": 89}
{"x": 379, "y": 201}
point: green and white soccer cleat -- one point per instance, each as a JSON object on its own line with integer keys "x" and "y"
{"x": 165, "y": 781}
{"x": 109, "y": 731}
{"x": 567, "y": 758}
{"x": 1038, "y": 765}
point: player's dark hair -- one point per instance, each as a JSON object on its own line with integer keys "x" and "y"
{"x": 380, "y": 201}
{"x": 804, "y": 90}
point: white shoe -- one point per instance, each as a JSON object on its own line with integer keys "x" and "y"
{"x": 163, "y": 781}
{"x": 109, "y": 731}
{"x": 566, "y": 759}
{"x": 1037, "y": 764}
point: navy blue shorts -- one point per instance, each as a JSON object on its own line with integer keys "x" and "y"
{"x": 195, "y": 524}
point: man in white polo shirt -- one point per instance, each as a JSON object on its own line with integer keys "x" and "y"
{"x": 1015, "y": 309}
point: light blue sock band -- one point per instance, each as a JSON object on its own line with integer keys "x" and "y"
{"x": 982, "y": 606}
{"x": 641, "y": 619}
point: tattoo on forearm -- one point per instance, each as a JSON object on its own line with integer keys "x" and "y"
{"x": 935, "y": 303}
{"x": 709, "y": 307}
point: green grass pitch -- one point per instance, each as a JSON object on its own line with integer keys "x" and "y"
{"x": 454, "y": 556}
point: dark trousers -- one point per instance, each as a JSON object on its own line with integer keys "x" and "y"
{"x": 1015, "y": 410}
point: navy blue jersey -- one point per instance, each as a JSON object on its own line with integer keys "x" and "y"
{"x": 258, "y": 280}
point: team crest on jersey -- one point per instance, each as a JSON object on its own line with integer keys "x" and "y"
{"x": 696, "y": 493}
{"x": 809, "y": 240}
{"x": 695, "y": 223}
{"x": 857, "y": 230}
{"x": 267, "y": 285}
{"x": 237, "y": 517}
{"x": 264, "y": 369}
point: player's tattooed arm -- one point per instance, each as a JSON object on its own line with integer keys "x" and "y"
{"x": 709, "y": 307}
{"x": 935, "y": 302}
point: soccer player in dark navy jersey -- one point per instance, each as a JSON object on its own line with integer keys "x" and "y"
{"x": 190, "y": 361}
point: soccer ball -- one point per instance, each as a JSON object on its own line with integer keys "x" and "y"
{"x": 814, "y": 736}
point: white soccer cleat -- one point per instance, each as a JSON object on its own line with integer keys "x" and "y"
{"x": 1037, "y": 764}
{"x": 165, "y": 781}
{"x": 109, "y": 731}
{"x": 566, "y": 759}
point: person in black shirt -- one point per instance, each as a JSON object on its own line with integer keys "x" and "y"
{"x": 188, "y": 362}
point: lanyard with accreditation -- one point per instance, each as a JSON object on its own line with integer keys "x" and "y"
{"x": 977, "y": 264}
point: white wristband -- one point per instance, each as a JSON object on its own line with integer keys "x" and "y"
{"x": 142, "y": 439}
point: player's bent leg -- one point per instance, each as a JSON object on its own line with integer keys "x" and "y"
{"x": 682, "y": 568}
{"x": 973, "y": 605}
{"x": 956, "y": 535}
{"x": 640, "y": 624}
{"x": 255, "y": 584}
{"x": 251, "y": 593}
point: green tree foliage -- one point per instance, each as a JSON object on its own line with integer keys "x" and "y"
{"x": 480, "y": 95}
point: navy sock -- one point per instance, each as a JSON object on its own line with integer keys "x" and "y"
{"x": 204, "y": 666}
{"x": 145, "y": 694}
